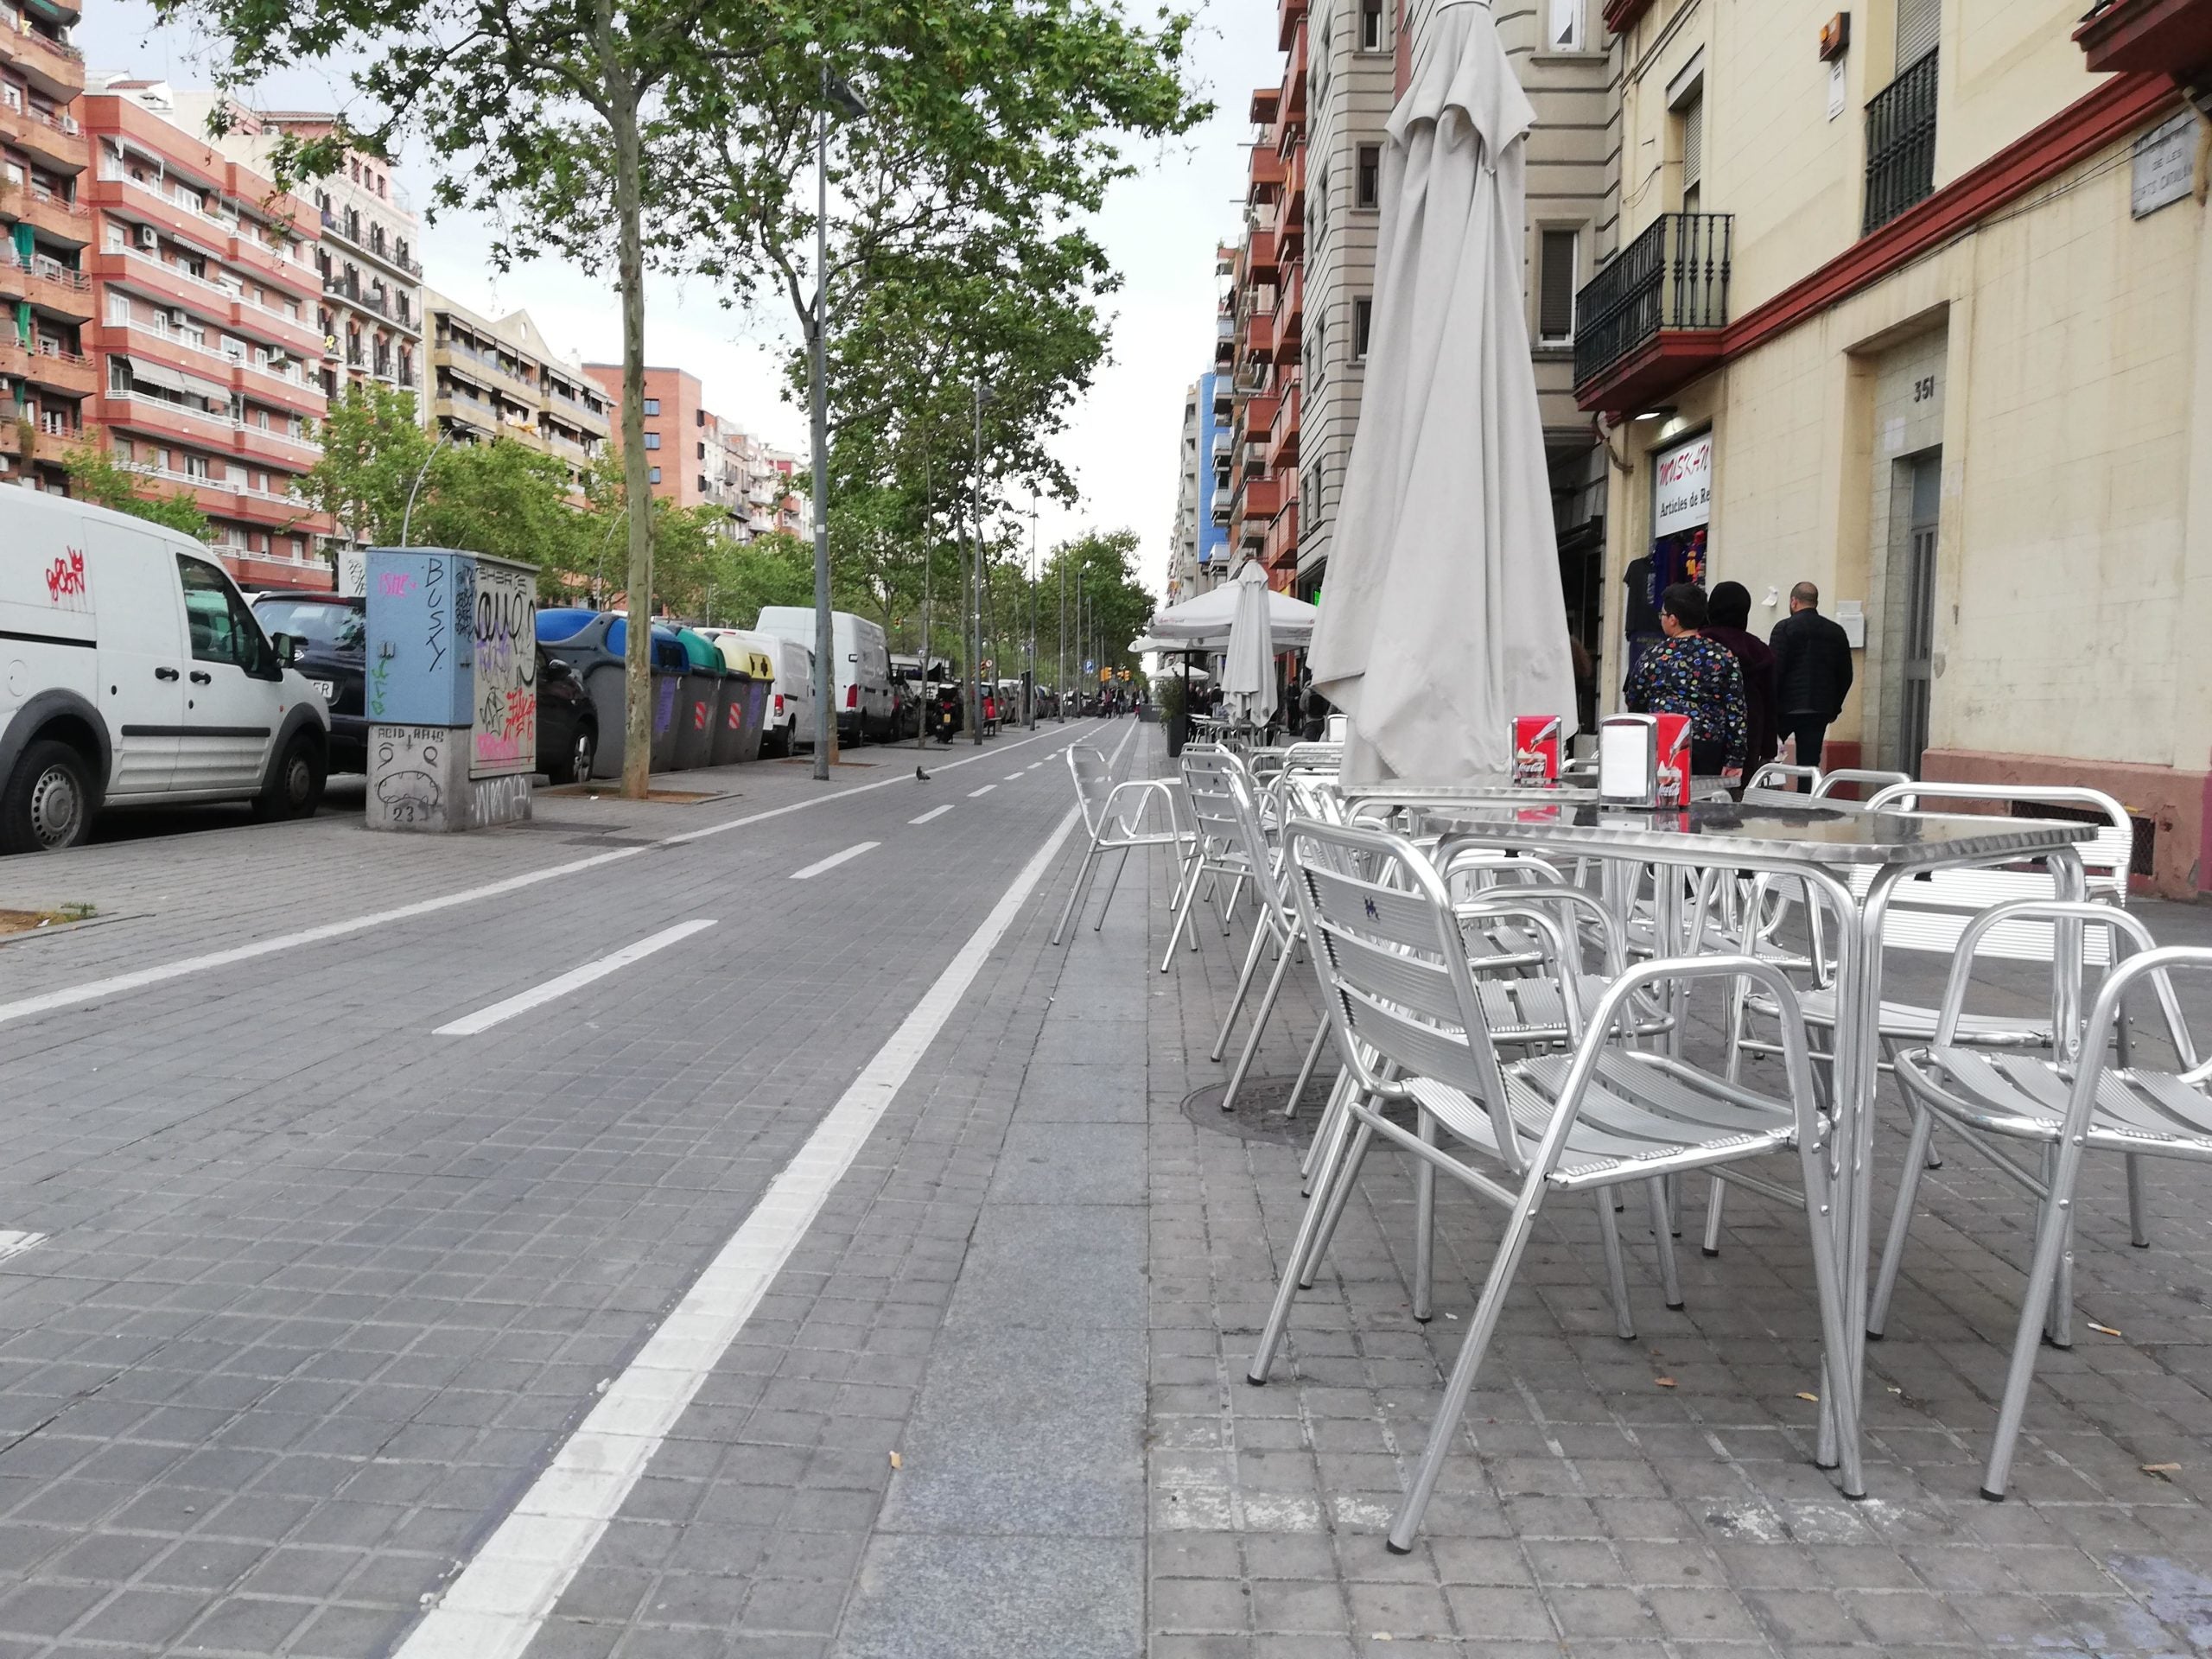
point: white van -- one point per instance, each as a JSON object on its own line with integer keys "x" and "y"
{"x": 133, "y": 674}
{"x": 861, "y": 659}
{"x": 791, "y": 701}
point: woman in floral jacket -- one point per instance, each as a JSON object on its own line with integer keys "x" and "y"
{"x": 1687, "y": 674}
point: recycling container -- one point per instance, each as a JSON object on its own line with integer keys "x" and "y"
{"x": 612, "y": 633}
{"x": 579, "y": 638}
{"x": 699, "y": 704}
{"x": 747, "y": 676}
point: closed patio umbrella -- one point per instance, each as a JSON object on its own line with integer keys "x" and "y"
{"x": 1446, "y": 617}
{"x": 1248, "y": 674}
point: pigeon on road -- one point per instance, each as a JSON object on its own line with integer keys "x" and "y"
{"x": 920, "y": 777}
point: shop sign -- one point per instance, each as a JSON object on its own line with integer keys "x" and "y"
{"x": 1682, "y": 498}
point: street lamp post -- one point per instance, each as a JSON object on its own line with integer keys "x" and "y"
{"x": 975, "y": 568}
{"x": 834, "y": 91}
{"x": 407, "y": 517}
{"x": 1033, "y": 610}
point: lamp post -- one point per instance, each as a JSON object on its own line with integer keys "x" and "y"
{"x": 983, "y": 395}
{"x": 407, "y": 517}
{"x": 1033, "y": 610}
{"x": 834, "y": 91}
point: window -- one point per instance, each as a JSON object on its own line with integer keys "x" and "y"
{"x": 1363, "y": 324}
{"x": 1919, "y": 25}
{"x": 698, "y": 417}
{"x": 118, "y": 310}
{"x": 223, "y": 629}
{"x": 1374, "y": 29}
{"x": 656, "y": 475}
{"x": 702, "y": 453}
{"x": 652, "y": 407}
{"x": 1564, "y": 30}
{"x": 1555, "y": 281}
{"x": 703, "y": 483}
{"x": 1367, "y": 176}
{"x": 1691, "y": 116}
{"x": 652, "y": 440}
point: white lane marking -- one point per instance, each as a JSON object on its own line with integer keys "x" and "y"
{"x": 834, "y": 860}
{"x": 1013, "y": 778}
{"x": 934, "y": 812}
{"x": 138, "y": 979}
{"x": 494, "y": 1609}
{"x": 1032, "y": 765}
{"x": 600, "y": 968}
{"x": 14, "y": 1243}
{"x": 985, "y": 789}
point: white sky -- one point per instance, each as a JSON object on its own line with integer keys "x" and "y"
{"x": 1160, "y": 229}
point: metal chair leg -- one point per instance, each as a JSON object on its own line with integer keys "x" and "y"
{"x": 1306, "y": 1071}
{"x": 1309, "y": 1228}
{"x": 1424, "y": 1222}
{"x": 1186, "y": 893}
{"x": 1075, "y": 893}
{"x": 1112, "y": 882}
{"x": 1347, "y": 1178}
{"x": 1244, "y": 985}
{"x": 2051, "y": 1234}
{"x": 1407, "y": 1523}
{"x": 1609, "y": 1235}
{"x": 1259, "y": 1025}
{"x": 1715, "y": 1196}
{"x": 1885, "y": 1280}
{"x": 1839, "y": 1404}
{"x": 1332, "y": 1115}
{"x": 2139, "y": 1227}
{"x": 1670, "y": 1281}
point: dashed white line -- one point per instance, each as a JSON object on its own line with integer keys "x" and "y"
{"x": 934, "y": 812}
{"x": 834, "y": 860}
{"x": 575, "y": 978}
{"x": 985, "y": 789}
{"x": 14, "y": 1243}
{"x": 1013, "y": 778}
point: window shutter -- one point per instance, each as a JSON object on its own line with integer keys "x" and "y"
{"x": 1692, "y": 142}
{"x": 1919, "y": 25}
{"x": 1555, "y": 296}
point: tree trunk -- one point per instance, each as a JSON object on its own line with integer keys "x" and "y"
{"x": 637, "y": 668}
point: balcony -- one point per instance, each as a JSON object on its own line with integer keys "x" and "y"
{"x": 141, "y": 201}
{"x": 1294, "y": 82}
{"x": 56, "y": 140}
{"x": 1263, "y": 497}
{"x": 1282, "y": 436}
{"x": 294, "y": 274}
{"x": 67, "y": 222}
{"x": 1266, "y": 175}
{"x": 271, "y": 446}
{"x": 1294, "y": 200}
{"x": 1260, "y": 257}
{"x": 51, "y": 287}
{"x": 1280, "y": 550}
{"x": 1260, "y": 336}
{"x": 1290, "y": 17}
{"x": 1651, "y": 322}
{"x": 54, "y": 67}
{"x": 51, "y": 369}
{"x": 1265, "y": 101}
{"x": 2164, "y": 37}
{"x": 1901, "y": 145}
{"x": 1290, "y": 310}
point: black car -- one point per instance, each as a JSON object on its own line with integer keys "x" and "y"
{"x": 335, "y": 631}
{"x": 335, "y": 657}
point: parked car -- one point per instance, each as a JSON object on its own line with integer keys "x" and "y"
{"x": 862, "y": 659}
{"x": 567, "y": 721}
{"x": 132, "y": 673}
{"x": 333, "y": 655}
{"x": 789, "y": 722}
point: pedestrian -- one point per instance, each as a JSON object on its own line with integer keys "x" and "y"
{"x": 1687, "y": 674}
{"x": 1812, "y": 672}
{"x": 1730, "y": 605}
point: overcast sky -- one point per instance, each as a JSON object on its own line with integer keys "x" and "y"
{"x": 1160, "y": 229}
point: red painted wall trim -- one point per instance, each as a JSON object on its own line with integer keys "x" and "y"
{"x": 1621, "y": 14}
{"x": 2083, "y": 128}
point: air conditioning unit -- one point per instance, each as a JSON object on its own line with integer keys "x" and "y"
{"x": 177, "y": 318}
{"x": 148, "y": 238}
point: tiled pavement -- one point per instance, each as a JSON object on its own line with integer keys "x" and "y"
{"x": 319, "y": 1305}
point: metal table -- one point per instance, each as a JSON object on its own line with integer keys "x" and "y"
{"x": 1819, "y": 844}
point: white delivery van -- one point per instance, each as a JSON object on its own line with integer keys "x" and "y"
{"x": 790, "y": 720}
{"x": 860, "y": 667}
{"x": 132, "y": 673}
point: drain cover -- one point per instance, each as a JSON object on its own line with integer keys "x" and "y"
{"x": 1257, "y": 1115}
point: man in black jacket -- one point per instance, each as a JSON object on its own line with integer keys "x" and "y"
{"x": 1812, "y": 671}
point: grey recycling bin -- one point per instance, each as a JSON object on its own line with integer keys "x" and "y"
{"x": 699, "y": 706}
{"x": 592, "y": 643}
{"x": 745, "y": 703}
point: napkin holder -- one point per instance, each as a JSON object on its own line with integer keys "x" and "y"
{"x": 1628, "y": 761}
{"x": 1535, "y": 750}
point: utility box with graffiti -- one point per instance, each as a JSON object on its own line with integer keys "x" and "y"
{"x": 451, "y": 688}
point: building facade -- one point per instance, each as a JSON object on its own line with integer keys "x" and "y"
{"x": 1263, "y": 320}
{"x": 203, "y": 338}
{"x": 500, "y": 380}
{"x": 700, "y": 458}
{"x": 1915, "y": 306}
{"x": 47, "y": 376}
{"x": 1199, "y": 551}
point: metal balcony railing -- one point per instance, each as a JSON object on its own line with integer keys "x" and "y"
{"x": 1901, "y": 145}
{"x": 1673, "y": 276}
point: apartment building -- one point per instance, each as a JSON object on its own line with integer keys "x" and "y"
{"x": 698, "y": 458}
{"x": 45, "y": 377}
{"x": 203, "y": 336}
{"x": 370, "y": 313}
{"x": 1912, "y": 304}
{"x": 1198, "y": 556}
{"x": 501, "y": 380}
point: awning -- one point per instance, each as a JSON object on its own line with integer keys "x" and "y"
{"x": 144, "y": 373}
{"x": 213, "y": 391}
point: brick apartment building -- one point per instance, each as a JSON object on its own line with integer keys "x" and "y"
{"x": 698, "y": 458}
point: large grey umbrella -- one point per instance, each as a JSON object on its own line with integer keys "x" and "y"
{"x": 1444, "y": 617}
{"x": 1248, "y": 673}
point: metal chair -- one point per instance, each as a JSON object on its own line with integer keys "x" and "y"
{"x": 1410, "y": 1025}
{"x": 1774, "y": 775}
{"x": 1215, "y": 852}
{"x": 1863, "y": 778}
{"x": 2089, "y": 1096}
{"x": 1119, "y": 816}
